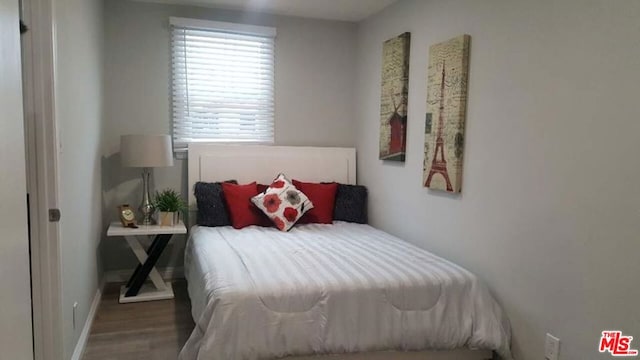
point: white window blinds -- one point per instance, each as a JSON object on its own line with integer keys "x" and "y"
{"x": 222, "y": 82}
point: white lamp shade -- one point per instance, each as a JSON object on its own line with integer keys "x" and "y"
{"x": 146, "y": 150}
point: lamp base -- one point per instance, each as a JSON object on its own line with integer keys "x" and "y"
{"x": 146, "y": 208}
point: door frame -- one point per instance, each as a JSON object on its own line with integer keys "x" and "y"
{"x": 41, "y": 139}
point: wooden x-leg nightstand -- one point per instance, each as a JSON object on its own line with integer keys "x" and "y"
{"x": 136, "y": 290}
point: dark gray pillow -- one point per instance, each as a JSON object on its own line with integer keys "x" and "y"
{"x": 212, "y": 210}
{"x": 351, "y": 204}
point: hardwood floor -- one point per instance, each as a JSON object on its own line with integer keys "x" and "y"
{"x": 154, "y": 330}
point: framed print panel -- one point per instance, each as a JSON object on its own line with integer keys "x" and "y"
{"x": 447, "y": 75}
{"x": 394, "y": 98}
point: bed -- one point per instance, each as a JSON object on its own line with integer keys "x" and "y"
{"x": 341, "y": 291}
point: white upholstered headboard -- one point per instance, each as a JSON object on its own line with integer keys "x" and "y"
{"x": 262, "y": 163}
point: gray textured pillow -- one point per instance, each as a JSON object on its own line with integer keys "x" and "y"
{"x": 351, "y": 204}
{"x": 212, "y": 210}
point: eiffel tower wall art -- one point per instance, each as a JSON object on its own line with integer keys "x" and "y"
{"x": 446, "y": 112}
{"x": 393, "y": 102}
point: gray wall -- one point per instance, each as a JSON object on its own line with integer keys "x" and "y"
{"x": 313, "y": 95}
{"x": 78, "y": 103}
{"x": 550, "y": 208}
{"x": 15, "y": 309}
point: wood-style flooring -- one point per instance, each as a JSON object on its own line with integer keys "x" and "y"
{"x": 154, "y": 330}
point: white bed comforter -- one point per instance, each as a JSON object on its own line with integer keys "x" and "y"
{"x": 258, "y": 293}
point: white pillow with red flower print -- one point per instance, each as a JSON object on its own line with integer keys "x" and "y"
{"x": 283, "y": 203}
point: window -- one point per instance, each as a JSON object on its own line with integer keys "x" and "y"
{"x": 222, "y": 82}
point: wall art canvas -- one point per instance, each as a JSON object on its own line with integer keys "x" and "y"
{"x": 447, "y": 76}
{"x": 394, "y": 98}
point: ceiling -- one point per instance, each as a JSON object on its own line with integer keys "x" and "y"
{"x": 345, "y": 10}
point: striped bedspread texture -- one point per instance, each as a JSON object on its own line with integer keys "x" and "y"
{"x": 258, "y": 293}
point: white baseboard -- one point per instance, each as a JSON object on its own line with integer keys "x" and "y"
{"x": 119, "y": 276}
{"x": 86, "y": 329}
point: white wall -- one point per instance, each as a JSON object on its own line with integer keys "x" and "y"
{"x": 313, "y": 95}
{"x": 15, "y": 297}
{"x": 550, "y": 208}
{"x": 78, "y": 102}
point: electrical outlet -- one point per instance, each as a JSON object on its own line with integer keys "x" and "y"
{"x": 551, "y": 347}
{"x": 75, "y": 307}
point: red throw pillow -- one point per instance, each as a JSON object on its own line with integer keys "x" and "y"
{"x": 323, "y": 197}
{"x": 242, "y": 212}
{"x": 262, "y": 188}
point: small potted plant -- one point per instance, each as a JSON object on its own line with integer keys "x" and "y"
{"x": 170, "y": 204}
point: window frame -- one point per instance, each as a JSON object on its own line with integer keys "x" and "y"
{"x": 218, "y": 26}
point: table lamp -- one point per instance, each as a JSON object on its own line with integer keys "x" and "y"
{"x": 146, "y": 151}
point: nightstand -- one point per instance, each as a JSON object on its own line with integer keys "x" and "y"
{"x": 136, "y": 290}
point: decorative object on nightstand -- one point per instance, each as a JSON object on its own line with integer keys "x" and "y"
{"x": 127, "y": 217}
{"x": 146, "y": 151}
{"x": 170, "y": 204}
{"x": 136, "y": 290}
